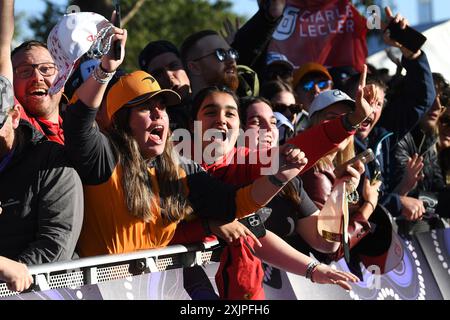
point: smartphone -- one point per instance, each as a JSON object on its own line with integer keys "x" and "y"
{"x": 303, "y": 121}
{"x": 254, "y": 224}
{"x": 366, "y": 156}
{"x": 410, "y": 38}
{"x": 117, "y": 48}
{"x": 376, "y": 176}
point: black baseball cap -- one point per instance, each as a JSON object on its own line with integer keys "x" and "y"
{"x": 155, "y": 48}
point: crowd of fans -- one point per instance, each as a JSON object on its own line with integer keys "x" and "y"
{"x": 205, "y": 136}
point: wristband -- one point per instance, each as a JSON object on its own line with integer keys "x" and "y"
{"x": 347, "y": 125}
{"x": 101, "y": 76}
{"x": 277, "y": 182}
{"x": 310, "y": 269}
{"x": 371, "y": 204}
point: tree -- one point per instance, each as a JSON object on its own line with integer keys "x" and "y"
{"x": 42, "y": 25}
{"x": 19, "y": 19}
{"x": 148, "y": 20}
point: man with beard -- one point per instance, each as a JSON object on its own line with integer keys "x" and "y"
{"x": 210, "y": 61}
{"x": 32, "y": 69}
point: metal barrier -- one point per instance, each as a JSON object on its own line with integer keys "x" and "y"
{"x": 92, "y": 270}
{"x": 164, "y": 274}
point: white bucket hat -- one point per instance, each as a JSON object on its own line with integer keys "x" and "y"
{"x": 71, "y": 38}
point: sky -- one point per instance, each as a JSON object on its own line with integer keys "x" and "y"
{"x": 408, "y": 8}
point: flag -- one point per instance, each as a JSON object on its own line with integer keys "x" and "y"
{"x": 332, "y": 33}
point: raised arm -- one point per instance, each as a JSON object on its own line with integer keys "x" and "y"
{"x": 253, "y": 38}
{"x": 88, "y": 149}
{"x": 418, "y": 92}
{"x": 91, "y": 92}
{"x": 319, "y": 140}
{"x": 6, "y": 36}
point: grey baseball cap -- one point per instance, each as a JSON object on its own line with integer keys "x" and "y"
{"x": 6, "y": 99}
{"x": 327, "y": 98}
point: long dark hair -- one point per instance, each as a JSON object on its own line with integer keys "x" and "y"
{"x": 137, "y": 185}
{"x": 289, "y": 192}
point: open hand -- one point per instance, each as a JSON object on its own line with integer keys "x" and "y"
{"x": 326, "y": 275}
{"x": 413, "y": 174}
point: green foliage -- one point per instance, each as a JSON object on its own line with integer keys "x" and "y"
{"x": 171, "y": 20}
{"x": 19, "y": 19}
{"x": 156, "y": 19}
{"x": 42, "y": 25}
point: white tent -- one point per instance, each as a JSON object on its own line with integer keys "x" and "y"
{"x": 437, "y": 48}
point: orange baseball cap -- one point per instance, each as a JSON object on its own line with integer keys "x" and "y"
{"x": 135, "y": 88}
{"x": 310, "y": 67}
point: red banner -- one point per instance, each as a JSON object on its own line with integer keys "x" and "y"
{"x": 332, "y": 33}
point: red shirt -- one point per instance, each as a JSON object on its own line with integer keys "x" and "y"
{"x": 315, "y": 142}
{"x": 53, "y": 131}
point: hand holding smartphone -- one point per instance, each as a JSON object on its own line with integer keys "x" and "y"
{"x": 408, "y": 37}
{"x": 254, "y": 224}
{"x": 117, "y": 22}
{"x": 399, "y": 31}
{"x": 366, "y": 156}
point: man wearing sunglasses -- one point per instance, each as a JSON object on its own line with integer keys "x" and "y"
{"x": 209, "y": 60}
{"x": 310, "y": 80}
{"x": 32, "y": 70}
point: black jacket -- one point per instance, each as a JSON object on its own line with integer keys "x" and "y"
{"x": 252, "y": 40}
{"x": 42, "y": 201}
{"x": 424, "y": 145}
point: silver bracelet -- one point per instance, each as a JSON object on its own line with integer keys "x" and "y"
{"x": 310, "y": 269}
{"x": 102, "y": 76}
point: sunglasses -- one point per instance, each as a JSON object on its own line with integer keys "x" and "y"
{"x": 281, "y": 107}
{"x": 322, "y": 84}
{"x": 45, "y": 69}
{"x": 221, "y": 54}
{"x": 445, "y": 121}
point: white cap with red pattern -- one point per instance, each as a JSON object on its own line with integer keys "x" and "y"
{"x": 71, "y": 38}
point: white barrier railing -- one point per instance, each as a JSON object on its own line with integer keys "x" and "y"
{"x": 92, "y": 270}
